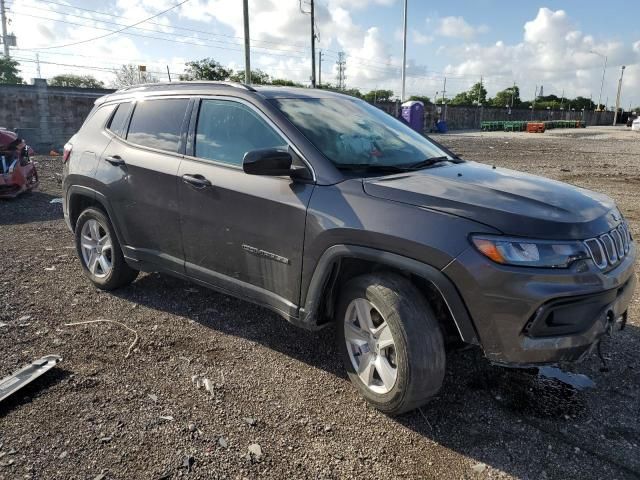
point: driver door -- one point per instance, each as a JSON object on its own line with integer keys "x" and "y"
{"x": 241, "y": 233}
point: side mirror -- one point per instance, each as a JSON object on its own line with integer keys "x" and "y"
{"x": 274, "y": 162}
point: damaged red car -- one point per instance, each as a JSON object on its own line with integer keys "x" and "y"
{"x": 18, "y": 173}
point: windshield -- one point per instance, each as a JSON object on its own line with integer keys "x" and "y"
{"x": 350, "y": 132}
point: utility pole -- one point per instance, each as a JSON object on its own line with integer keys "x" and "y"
{"x": 615, "y": 115}
{"x": 38, "y": 65}
{"x": 404, "y": 51}
{"x": 341, "y": 67}
{"x": 479, "y": 90}
{"x": 513, "y": 92}
{"x": 247, "y": 45}
{"x": 168, "y": 73}
{"x": 444, "y": 88}
{"x": 312, "y": 12}
{"x": 313, "y": 47}
{"x": 320, "y": 68}
{"x": 444, "y": 105}
{"x": 5, "y": 40}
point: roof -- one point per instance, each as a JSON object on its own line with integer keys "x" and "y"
{"x": 201, "y": 86}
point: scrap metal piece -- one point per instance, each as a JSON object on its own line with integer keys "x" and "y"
{"x": 11, "y": 384}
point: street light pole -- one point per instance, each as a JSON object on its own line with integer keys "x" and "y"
{"x": 604, "y": 69}
{"x": 404, "y": 51}
{"x": 615, "y": 115}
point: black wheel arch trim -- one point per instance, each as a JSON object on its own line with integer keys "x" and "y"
{"x": 95, "y": 196}
{"x": 324, "y": 267}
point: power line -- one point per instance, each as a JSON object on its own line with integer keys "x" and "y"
{"x": 188, "y": 29}
{"x": 116, "y": 31}
{"x": 142, "y": 28}
{"x": 185, "y": 42}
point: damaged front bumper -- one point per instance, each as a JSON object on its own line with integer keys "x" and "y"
{"x": 527, "y": 317}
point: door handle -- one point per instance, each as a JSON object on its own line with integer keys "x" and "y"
{"x": 115, "y": 160}
{"x": 197, "y": 181}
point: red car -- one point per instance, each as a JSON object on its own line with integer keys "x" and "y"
{"x": 17, "y": 172}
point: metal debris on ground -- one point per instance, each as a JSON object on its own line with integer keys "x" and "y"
{"x": 26, "y": 375}
{"x": 100, "y": 320}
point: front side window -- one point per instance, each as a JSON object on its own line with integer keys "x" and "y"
{"x": 157, "y": 123}
{"x": 118, "y": 122}
{"x": 351, "y": 132}
{"x": 226, "y": 130}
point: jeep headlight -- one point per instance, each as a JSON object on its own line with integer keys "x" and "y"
{"x": 528, "y": 252}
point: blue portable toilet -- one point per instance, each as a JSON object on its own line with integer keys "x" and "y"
{"x": 413, "y": 114}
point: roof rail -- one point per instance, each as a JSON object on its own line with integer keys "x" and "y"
{"x": 188, "y": 82}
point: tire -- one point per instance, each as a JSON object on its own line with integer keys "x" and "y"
{"x": 418, "y": 352}
{"x": 91, "y": 225}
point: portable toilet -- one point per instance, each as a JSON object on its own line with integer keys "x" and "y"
{"x": 413, "y": 114}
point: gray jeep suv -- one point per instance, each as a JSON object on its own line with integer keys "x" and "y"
{"x": 327, "y": 210}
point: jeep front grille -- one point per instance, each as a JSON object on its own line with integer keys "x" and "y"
{"x": 609, "y": 249}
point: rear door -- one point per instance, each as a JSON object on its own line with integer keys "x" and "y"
{"x": 243, "y": 233}
{"x": 140, "y": 168}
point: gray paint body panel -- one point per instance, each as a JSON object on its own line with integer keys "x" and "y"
{"x": 274, "y": 241}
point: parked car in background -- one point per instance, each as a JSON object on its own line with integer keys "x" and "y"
{"x": 635, "y": 125}
{"x": 18, "y": 173}
{"x": 327, "y": 210}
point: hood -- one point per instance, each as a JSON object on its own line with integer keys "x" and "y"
{"x": 513, "y": 202}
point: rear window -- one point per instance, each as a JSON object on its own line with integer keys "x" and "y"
{"x": 118, "y": 122}
{"x": 158, "y": 123}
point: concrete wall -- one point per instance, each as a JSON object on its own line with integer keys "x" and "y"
{"x": 463, "y": 117}
{"x": 46, "y": 116}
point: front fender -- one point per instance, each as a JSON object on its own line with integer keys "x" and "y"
{"x": 321, "y": 275}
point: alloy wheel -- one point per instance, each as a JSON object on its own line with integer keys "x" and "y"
{"x": 97, "y": 248}
{"x": 370, "y": 345}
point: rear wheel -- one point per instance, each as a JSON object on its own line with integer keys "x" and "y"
{"x": 390, "y": 342}
{"x": 99, "y": 251}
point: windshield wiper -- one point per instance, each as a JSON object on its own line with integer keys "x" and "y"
{"x": 371, "y": 168}
{"x": 427, "y": 163}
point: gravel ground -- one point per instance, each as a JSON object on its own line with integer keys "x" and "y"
{"x": 99, "y": 415}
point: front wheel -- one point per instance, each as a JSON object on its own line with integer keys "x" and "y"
{"x": 390, "y": 342}
{"x": 100, "y": 253}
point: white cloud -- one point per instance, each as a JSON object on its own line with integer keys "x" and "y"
{"x": 552, "y": 53}
{"x": 458, "y": 27}
{"x": 420, "y": 38}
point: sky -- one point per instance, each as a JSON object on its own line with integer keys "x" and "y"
{"x": 560, "y": 45}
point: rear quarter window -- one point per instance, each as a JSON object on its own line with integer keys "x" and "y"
{"x": 98, "y": 119}
{"x": 157, "y": 123}
{"x": 118, "y": 124}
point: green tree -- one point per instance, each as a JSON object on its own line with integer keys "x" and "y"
{"x": 579, "y": 103}
{"x": 420, "y": 98}
{"x": 285, "y": 83}
{"x": 378, "y": 96}
{"x": 509, "y": 96}
{"x": 258, "y": 77}
{"x": 9, "y": 71}
{"x": 471, "y": 96}
{"x": 71, "y": 80}
{"x": 206, "y": 69}
{"x": 130, "y": 74}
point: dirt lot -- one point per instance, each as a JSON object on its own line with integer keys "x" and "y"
{"x": 280, "y": 387}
